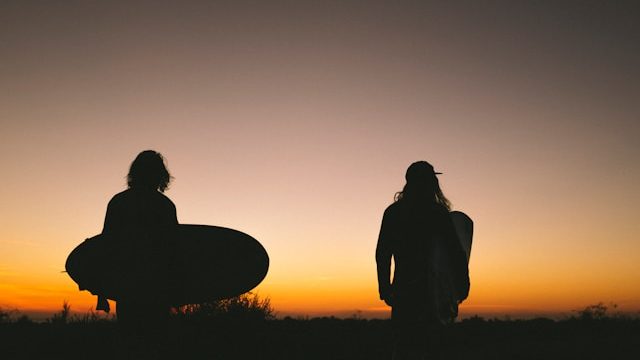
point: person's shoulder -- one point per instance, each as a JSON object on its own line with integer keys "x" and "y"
{"x": 440, "y": 212}
{"x": 164, "y": 199}
{"x": 119, "y": 197}
{"x": 441, "y": 209}
{"x": 393, "y": 210}
{"x": 392, "y": 207}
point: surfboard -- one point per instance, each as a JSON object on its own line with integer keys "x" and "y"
{"x": 204, "y": 263}
{"x": 464, "y": 229}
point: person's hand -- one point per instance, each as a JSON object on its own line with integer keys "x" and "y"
{"x": 103, "y": 304}
{"x": 386, "y": 295}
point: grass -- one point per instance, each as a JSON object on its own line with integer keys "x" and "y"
{"x": 245, "y": 328}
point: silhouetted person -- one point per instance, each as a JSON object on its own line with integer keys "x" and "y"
{"x": 418, "y": 233}
{"x": 141, "y": 220}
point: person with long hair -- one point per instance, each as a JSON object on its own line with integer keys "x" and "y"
{"x": 141, "y": 220}
{"x": 429, "y": 264}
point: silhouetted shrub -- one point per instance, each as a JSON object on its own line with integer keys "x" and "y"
{"x": 61, "y": 317}
{"x": 248, "y": 306}
{"x": 23, "y": 320}
{"x": 91, "y": 317}
{"x": 5, "y": 317}
{"x": 597, "y": 311}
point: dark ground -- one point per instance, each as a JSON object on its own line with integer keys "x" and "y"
{"x": 326, "y": 338}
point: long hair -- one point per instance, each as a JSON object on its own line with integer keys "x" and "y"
{"x": 148, "y": 170}
{"x": 422, "y": 186}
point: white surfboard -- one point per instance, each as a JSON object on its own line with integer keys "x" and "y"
{"x": 464, "y": 229}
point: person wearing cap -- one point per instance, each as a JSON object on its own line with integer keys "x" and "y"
{"x": 429, "y": 264}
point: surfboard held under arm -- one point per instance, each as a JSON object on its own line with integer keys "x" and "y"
{"x": 199, "y": 263}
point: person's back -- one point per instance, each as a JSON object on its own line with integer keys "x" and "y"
{"x": 139, "y": 215}
{"x": 418, "y": 234}
{"x": 414, "y": 231}
{"x": 141, "y": 223}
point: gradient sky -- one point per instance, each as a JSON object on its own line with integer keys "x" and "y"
{"x": 295, "y": 121}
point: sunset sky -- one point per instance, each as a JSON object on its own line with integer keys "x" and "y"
{"x": 295, "y": 122}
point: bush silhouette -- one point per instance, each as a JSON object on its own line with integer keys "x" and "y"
{"x": 597, "y": 311}
{"x": 63, "y": 316}
{"x": 246, "y": 307}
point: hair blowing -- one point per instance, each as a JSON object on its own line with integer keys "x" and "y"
{"x": 148, "y": 170}
{"x": 428, "y": 191}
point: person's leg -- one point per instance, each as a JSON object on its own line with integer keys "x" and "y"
{"x": 156, "y": 326}
{"x": 435, "y": 340}
{"x": 418, "y": 340}
{"x": 409, "y": 340}
{"x": 400, "y": 345}
{"x": 404, "y": 315}
{"x": 143, "y": 328}
{"x": 128, "y": 324}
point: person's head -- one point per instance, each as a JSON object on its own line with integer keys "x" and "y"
{"x": 422, "y": 185}
{"x": 149, "y": 171}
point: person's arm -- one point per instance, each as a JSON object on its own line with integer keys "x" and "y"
{"x": 173, "y": 216}
{"x": 171, "y": 226}
{"x": 383, "y": 260}
{"x": 110, "y": 224}
{"x": 110, "y": 219}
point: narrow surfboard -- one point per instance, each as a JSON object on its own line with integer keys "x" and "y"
{"x": 464, "y": 229}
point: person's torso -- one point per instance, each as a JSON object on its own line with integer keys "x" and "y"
{"x": 141, "y": 214}
{"x": 417, "y": 232}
